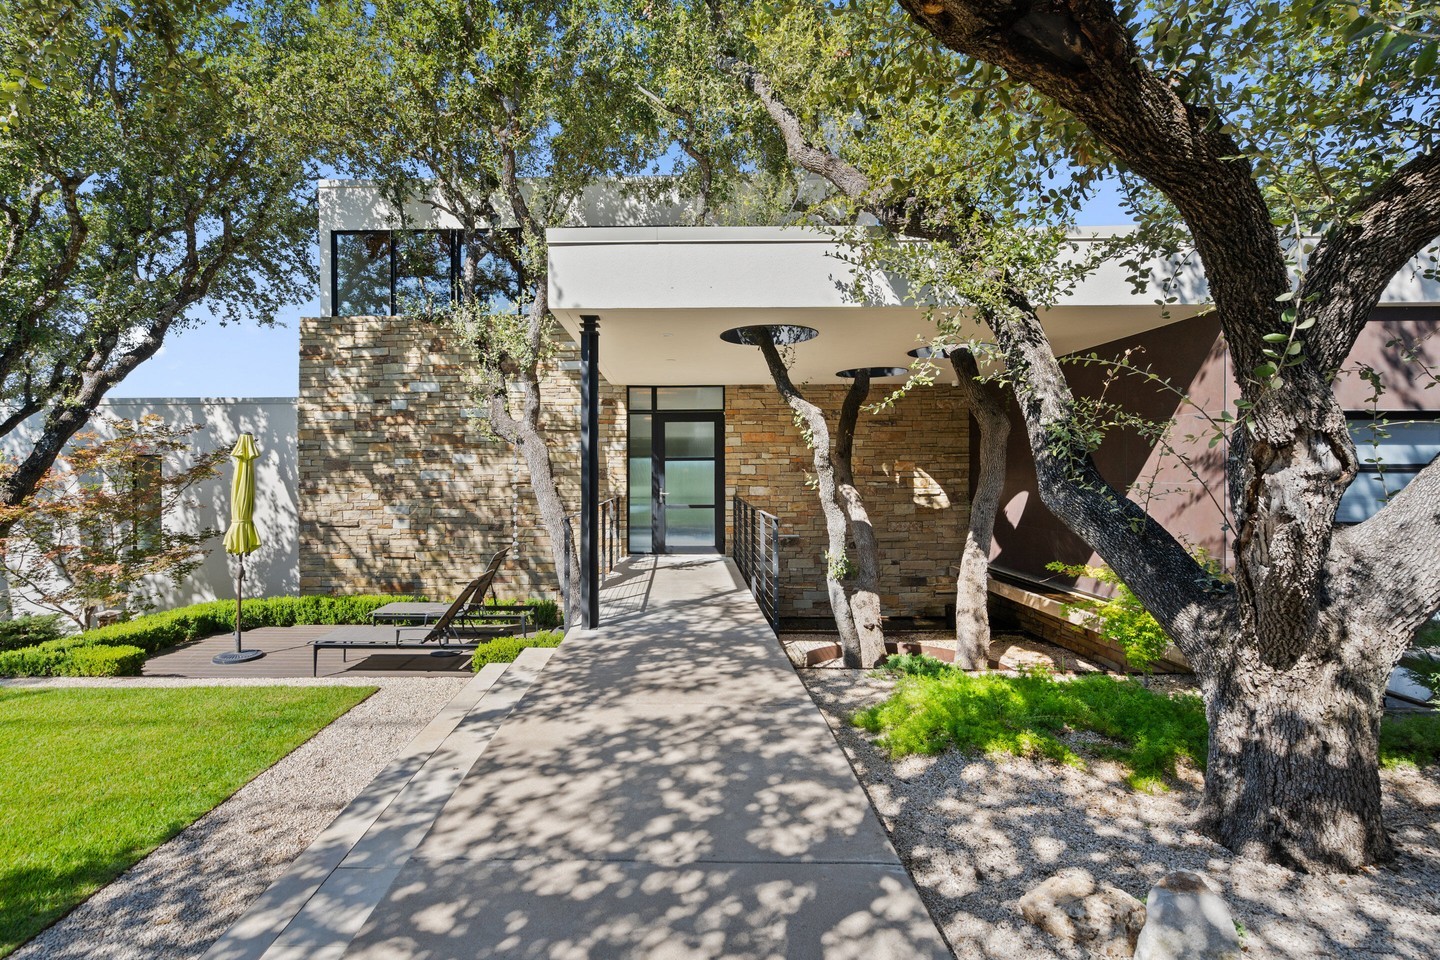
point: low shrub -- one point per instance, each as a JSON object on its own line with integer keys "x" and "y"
{"x": 41, "y": 660}
{"x": 29, "y": 631}
{"x": 103, "y": 662}
{"x": 506, "y": 649}
{"x": 1028, "y": 715}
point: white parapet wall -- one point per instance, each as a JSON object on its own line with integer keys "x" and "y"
{"x": 274, "y": 569}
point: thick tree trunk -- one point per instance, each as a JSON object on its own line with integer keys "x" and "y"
{"x": 863, "y": 588}
{"x": 856, "y": 620}
{"x": 1293, "y": 770}
{"x": 972, "y": 584}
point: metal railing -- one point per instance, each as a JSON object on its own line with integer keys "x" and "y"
{"x": 755, "y": 548}
{"x": 613, "y": 547}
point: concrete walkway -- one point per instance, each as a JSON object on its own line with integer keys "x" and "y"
{"x": 666, "y": 788}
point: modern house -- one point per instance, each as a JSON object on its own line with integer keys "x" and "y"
{"x": 401, "y": 488}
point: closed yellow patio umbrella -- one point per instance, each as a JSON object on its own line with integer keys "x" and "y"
{"x": 241, "y": 537}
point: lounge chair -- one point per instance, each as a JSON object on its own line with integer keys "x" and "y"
{"x": 420, "y": 611}
{"x": 453, "y": 631}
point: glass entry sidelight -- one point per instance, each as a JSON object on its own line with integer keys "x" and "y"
{"x": 677, "y": 470}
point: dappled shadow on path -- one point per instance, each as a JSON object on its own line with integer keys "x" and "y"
{"x": 665, "y": 789}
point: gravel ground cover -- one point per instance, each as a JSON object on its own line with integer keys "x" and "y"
{"x": 978, "y": 833}
{"x": 177, "y": 901}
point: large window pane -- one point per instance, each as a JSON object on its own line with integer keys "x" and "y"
{"x": 496, "y": 284}
{"x": 690, "y": 482}
{"x": 1390, "y": 456}
{"x": 689, "y": 526}
{"x": 641, "y": 472}
{"x": 690, "y": 398}
{"x": 688, "y": 438}
{"x": 424, "y": 265}
{"x": 362, "y": 274}
{"x": 640, "y": 429}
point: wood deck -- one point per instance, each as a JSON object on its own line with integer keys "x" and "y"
{"x": 287, "y": 654}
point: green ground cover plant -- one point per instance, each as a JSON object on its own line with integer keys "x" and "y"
{"x": 506, "y": 649}
{"x": 936, "y": 707}
{"x": 933, "y": 709}
{"x": 93, "y": 780}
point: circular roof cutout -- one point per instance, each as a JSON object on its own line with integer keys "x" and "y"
{"x": 873, "y": 372}
{"x": 784, "y": 334}
{"x": 933, "y": 353}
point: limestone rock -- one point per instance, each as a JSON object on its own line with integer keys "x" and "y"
{"x": 1187, "y": 920}
{"x": 1072, "y": 906}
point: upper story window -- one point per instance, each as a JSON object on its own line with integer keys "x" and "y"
{"x": 362, "y": 273}
{"x": 395, "y": 272}
{"x": 1391, "y": 451}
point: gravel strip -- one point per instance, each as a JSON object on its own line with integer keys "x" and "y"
{"x": 184, "y": 895}
{"x": 977, "y": 834}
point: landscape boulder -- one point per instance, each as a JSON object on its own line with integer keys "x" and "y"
{"x": 1072, "y": 906}
{"x": 1187, "y": 920}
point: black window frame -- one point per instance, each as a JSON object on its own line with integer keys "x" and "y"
{"x": 718, "y": 414}
{"x": 1398, "y": 417}
{"x": 457, "y": 240}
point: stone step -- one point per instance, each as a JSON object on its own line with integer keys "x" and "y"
{"x": 319, "y": 904}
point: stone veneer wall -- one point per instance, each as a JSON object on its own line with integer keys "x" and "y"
{"x": 912, "y": 465}
{"x": 401, "y": 489}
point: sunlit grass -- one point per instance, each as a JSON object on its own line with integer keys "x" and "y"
{"x": 91, "y": 780}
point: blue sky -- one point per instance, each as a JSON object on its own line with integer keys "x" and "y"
{"x": 249, "y": 360}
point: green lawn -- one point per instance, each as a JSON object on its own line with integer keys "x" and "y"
{"x": 92, "y": 780}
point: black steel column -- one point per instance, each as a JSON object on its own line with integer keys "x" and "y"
{"x": 590, "y": 471}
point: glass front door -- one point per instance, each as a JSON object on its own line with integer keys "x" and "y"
{"x": 677, "y": 470}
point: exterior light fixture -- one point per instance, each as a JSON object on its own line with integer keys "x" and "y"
{"x": 873, "y": 372}
{"x": 784, "y": 334}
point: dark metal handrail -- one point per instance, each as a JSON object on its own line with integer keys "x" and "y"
{"x": 613, "y": 548}
{"x": 755, "y": 548}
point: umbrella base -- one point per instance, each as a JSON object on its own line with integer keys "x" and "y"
{"x": 237, "y": 656}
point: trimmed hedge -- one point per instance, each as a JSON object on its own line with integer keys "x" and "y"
{"x": 158, "y": 631}
{"x": 119, "y": 661}
{"x": 506, "y": 649}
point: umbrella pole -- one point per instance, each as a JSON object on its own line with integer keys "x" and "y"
{"x": 239, "y": 595}
{"x": 241, "y": 655}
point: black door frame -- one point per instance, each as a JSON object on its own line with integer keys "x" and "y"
{"x": 659, "y": 418}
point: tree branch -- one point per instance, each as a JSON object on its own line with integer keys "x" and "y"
{"x": 1354, "y": 261}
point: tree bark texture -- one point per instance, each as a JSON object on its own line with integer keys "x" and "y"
{"x": 855, "y": 605}
{"x": 863, "y": 587}
{"x": 972, "y": 585}
{"x": 1294, "y": 659}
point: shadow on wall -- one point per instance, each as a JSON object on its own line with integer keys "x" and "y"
{"x": 1192, "y": 505}
{"x": 274, "y": 568}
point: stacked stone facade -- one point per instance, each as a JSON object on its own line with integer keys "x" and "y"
{"x": 912, "y": 466}
{"x": 402, "y": 488}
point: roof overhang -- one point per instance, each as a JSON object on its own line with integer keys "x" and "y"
{"x": 665, "y": 294}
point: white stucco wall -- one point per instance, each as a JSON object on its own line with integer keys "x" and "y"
{"x": 272, "y": 570}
